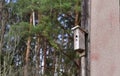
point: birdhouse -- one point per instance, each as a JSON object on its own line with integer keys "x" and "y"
{"x": 79, "y": 38}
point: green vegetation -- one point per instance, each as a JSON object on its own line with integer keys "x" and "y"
{"x": 36, "y": 37}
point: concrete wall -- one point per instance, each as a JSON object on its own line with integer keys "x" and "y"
{"x": 105, "y": 38}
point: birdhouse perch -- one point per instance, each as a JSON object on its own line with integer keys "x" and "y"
{"x": 79, "y": 38}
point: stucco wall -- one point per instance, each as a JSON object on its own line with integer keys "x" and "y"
{"x": 105, "y": 38}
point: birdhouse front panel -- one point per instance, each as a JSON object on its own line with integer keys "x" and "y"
{"x": 76, "y": 39}
{"x": 79, "y": 40}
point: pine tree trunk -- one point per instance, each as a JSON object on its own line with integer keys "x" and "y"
{"x": 3, "y": 20}
{"x": 27, "y": 57}
{"x": 45, "y": 49}
{"x": 37, "y": 47}
{"x": 77, "y": 13}
{"x": 28, "y": 51}
{"x": 54, "y": 63}
{"x": 37, "y": 56}
{"x": 1, "y": 38}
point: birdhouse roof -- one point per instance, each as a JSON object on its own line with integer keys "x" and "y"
{"x": 78, "y": 27}
{"x": 74, "y": 28}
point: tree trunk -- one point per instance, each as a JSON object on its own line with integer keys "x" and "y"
{"x": 37, "y": 56}
{"x": 3, "y": 19}
{"x": 28, "y": 50}
{"x": 1, "y": 35}
{"x": 54, "y": 62}
{"x": 37, "y": 46}
{"x": 27, "y": 57}
{"x": 77, "y": 13}
{"x": 45, "y": 49}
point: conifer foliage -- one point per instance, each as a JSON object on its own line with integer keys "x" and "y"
{"x": 36, "y": 39}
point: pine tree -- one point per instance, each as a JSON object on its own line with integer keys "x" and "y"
{"x": 44, "y": 39}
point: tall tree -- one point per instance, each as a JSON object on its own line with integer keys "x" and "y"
{"x": 3, "y": 21}
{"x": 43, "y": 39}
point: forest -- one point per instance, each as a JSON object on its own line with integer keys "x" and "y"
{"x": 36, "y": 37}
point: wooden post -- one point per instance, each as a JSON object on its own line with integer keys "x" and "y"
{"x": 0, "y": 40}
{"x": 83, "y": 66}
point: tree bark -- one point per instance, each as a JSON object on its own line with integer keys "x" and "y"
{"x": 45, "y": 49}
{"x": 3, "y": 19}
{"x": 37, "y": 56}
{"x": 28, "y": 50}
{"x": 37, "y": 46}
{"x": 77, "y": 13}
{"x": 1, "y": 35}
{"x": 54, "y": 62}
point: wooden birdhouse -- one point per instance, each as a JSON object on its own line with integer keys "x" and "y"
{"x": 79, "y": 38}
